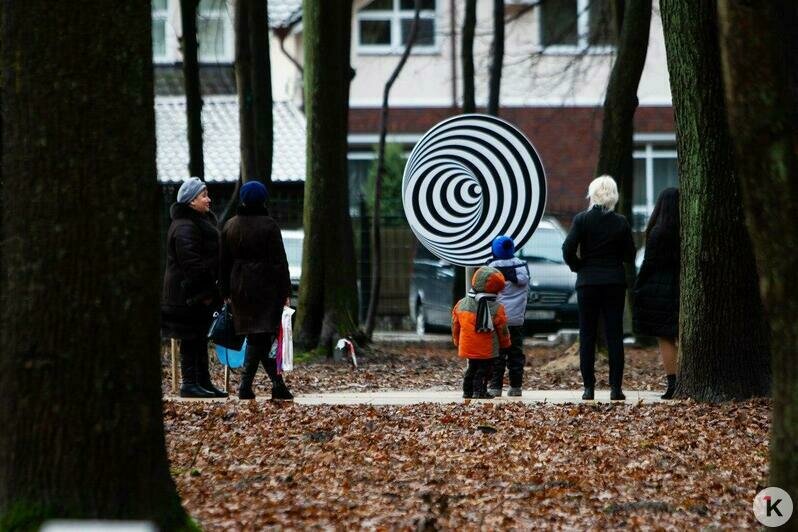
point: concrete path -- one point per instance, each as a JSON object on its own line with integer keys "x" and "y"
{"x": 446, "y": 397}
{"x": 409, "y": 337}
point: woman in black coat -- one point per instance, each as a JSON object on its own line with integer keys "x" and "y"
{"x": 255, "y": 278}
{"x": 598, "y": 244}
{"x": 189, "y": 285}
{"x": 656, "y": 293}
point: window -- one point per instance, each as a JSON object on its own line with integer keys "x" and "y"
{"x": 654, "y": 170}
{"x": 214, "y": 32}
{"x": 576, "y": 25}
{"x": 160, "y": 14}
{"x": 383, "y": 26}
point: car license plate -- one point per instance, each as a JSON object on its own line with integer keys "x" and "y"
{"x": 539, "y": 314}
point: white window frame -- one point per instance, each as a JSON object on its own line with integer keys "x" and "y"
{"x": 648, "y": 151}
{"x": 220, "y": 12}
{"x": 169, "y": 36}
{"x": 395, "y": 17}
{"x": 582, "y": 34}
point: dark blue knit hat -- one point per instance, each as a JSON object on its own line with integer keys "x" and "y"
{"x": 253, "y": 193}
{"x": 503, "y": 247}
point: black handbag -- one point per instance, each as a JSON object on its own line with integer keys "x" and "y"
{"x": 223, "y": 331}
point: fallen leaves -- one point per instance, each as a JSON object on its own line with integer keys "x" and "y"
{"x": 512, "y": 465}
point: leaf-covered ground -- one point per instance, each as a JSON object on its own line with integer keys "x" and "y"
{"x": 247, "y": 466}
{"x": 420, "y": 366}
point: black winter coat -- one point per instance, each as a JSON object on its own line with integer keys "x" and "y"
{"x": 254, "y": 271}
{"x": 604, "y": 242}
{"x": 192, "y": 269}
{"x": 655, "y": 310}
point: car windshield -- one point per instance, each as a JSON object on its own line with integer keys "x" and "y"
{"x": 544, "y": 246}
{"x": 293, "y": 250}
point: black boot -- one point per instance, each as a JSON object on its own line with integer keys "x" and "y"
{"x": 671, "y": 388}
{"x": 251, "y": 361}
{"x": 204, "y": 374}
{"x": 280, "y": 391}
{"x": 589, "y": 394}
{"x": 617, "y": 395}
{"x": 188, "y": 369}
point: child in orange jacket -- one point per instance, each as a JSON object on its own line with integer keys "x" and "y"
{"x": 479, "y": 329}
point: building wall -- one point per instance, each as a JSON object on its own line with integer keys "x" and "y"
{"x": 531, "y": 76}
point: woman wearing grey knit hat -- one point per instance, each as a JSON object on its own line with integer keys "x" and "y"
{"x": 189, "y": 285}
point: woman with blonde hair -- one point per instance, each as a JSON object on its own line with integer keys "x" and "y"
{"x": 599, "y": 242}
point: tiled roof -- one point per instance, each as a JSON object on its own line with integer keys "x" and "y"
{"x": 221, "y": 135}
{"x": 284, "y": 13}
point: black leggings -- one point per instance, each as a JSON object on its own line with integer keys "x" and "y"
{"x": 475, "y": 379}
{"x": 607, "y": 301}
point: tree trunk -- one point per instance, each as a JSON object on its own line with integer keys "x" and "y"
{"x": 191, "y": 81}
{"x": 376, "y": 252}
{"x": 724, "y": 339}
{"x": 328, "y": 289}
{"x": 243, "y": 70}
{"x": 467, "y": 55}
{"x": 632, "y": 22}
{"x": 497, "y": 58}
{"x": 80, "y": 366}
{"x": 261, "y": 82}
{"x": 758, "y": 40}
{"x": 469, "y": 105}
{"x": 620, "y": 104}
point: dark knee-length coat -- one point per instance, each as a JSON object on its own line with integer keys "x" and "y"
{"x": 655, "y": 310}
{"x": 254, "y": 270}
{"x": 192, "y": 268}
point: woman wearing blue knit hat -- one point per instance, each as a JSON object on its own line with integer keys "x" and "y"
{"x": 254, "y": 277}
{"x": 189, "y": 285}
{"x": 513, "y": 297}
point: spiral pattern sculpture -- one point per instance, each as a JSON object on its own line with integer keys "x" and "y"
{"x": 469, "y": 179}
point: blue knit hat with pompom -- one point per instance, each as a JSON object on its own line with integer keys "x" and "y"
{"x": 503, "y": 247}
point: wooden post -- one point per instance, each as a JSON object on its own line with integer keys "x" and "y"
{"x": 227, "y": 378}
{"x": 469, "y": 273}
{"x": 174, "y": 365}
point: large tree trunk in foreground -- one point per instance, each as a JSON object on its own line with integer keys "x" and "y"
{"x": 497, "y": 58}
{"x": 328, "y": 289}
{"x": 82, "y": 432}
{"x": 758, "y": 40}
{"x": 620, "y": 104}
{"x": 724, "y": 338}
{"x": 376, "y": 251}
{"x": 191, "y": 84}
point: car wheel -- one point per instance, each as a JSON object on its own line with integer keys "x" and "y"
{"x": 421, "y": 320}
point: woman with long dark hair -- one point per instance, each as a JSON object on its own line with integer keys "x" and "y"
{"x": 656, "y": 293}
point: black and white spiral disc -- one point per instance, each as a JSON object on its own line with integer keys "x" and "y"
{"x": 468, "y": 180}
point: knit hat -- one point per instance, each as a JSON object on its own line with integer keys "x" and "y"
{"x": 503, "y": 247}
{"x": 253, "y": 193}
{"x": 190, "y": 189}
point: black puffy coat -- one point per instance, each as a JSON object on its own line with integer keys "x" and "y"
{"x": 656, "y": 294}
{"x": 254, "y": 270}
{"x": 192, "y": 269}
{"x": 596, "y": 247}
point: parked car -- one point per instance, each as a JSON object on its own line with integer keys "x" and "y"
{"x": 552, "y": 295}
{"x": 292, "y": 241}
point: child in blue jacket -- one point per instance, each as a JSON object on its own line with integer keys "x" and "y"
{"x": 513, "y": 297}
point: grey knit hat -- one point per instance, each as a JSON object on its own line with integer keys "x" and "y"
{"x": 190, "y": 189}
